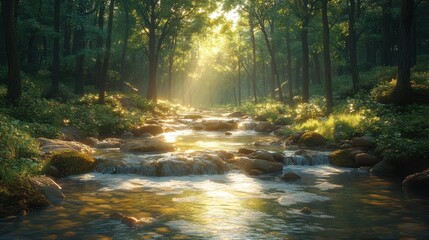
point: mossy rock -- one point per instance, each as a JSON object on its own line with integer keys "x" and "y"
{"x": 312, "y": 139}
{"x": 72, "y": 163}
{"x": 19, "y": 197}
{"x": 342, "y": 158}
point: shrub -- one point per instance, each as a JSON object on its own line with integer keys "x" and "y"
{"x": 71, "y": 163}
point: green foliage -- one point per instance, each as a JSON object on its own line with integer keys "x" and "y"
{"x": 18, "y": 150}
{"x": 268, "y": 111}
{"x": 71, "y": 163}
{"x": 315, "y": 108}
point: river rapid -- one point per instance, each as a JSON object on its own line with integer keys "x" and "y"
{"x": 345, "y": 203}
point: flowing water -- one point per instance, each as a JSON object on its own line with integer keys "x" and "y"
{"x": 345, "y": 203}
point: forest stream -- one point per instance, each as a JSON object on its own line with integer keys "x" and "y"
{"x": 341, "y": 203}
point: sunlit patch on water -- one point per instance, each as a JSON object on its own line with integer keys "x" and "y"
{"x": 300, "y": 197}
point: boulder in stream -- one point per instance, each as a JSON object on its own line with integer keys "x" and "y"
{"x": 48, "y": 187}
{"x": 312, "y": 139}
{"x": 264, "y": 166}
{"x": 217, "y": 125}
{"x": 290, "y": 176}
{"x": 236, "y": 115}
{"x": 366, "y": 159}
{"x": 262, "y": 154}
{"x": 153, "y": 129}
{"x": 342, "y": 158}
{"x": 264, "y": 127}
{"x": 56, "y": 145}
{"x": 417, "y": 183}
{"x": 147, "y": 145}
{"x": 110, "y": 143}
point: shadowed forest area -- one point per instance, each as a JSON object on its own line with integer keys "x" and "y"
{"x": 150, "y": 114}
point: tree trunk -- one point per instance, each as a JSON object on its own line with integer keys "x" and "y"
{"x": 297, "y": 72}
{"x": 305, "y": 60}
{"x": 252, "y": 37}
{"x": 30, "y": 51}
{"x": 239, "y": 81}
{"x": 68, "y": 30}
{"x": 387, "y": 34}
{"x": 352, "y": 45}
{"x": 327, "y": 58}
{"x": 402, "y": 93}
{"x": 317, "y": 75}
{"x": 78, "y": 47}
{"x": 170, "y": 76}
{"x": 289, "y": 68}
{"x": 99, "y": 46}
{"x": 414, "y": 43}
{"x": 153, "y": 65}
{"x": 56, "y": 54}
{"x": 125, "y": 45}
{"x": 106, "y": 61}
{"x": 274, "y": 73}
{"x": 13, "y": 80}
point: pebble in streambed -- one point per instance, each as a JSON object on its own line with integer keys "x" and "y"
{"x": 130, "y": 221}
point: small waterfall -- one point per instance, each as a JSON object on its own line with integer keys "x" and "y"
{"x": 306, "y": 158}
{"x": 161, "y": 166}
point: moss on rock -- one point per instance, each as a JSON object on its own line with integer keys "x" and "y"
{"x": 19, "y": 197}
{"x": 342, "y": 158}
{"x": 71, "y": 163}
{"x": 312, "y": 139}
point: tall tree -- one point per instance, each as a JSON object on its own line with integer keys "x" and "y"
{"x": 263, "y": 12}
{"x": 9, "y": 26}
{"x": 327, "y": 57}
{"x": 354, "y": 12}
{"x": 125, "y": 44}
{"x": 56, "y": 54}
{"x": 253, "y": 42}
{"x": 304, "y": 10}
{"x": 402, "y": 91}
{"x": 289, "y": 67}
{"x": 161, "y": 19}
{"x": 99, "y": 46}
{"x": 106, "y": 62}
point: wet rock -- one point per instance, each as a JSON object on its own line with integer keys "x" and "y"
{"x": 364, "y": 142}
{"x": 228, "y": 133}
{"x": 71, "y": 163}
{"x": 153, "y": 129}
{"x": 147, "y": 145}
{"x": 236, "y": 115}
{"x": 110, "y": 143}
{"x": 127, "y": 135}
{"x": 312, "y": 139}
{"x": 248, "y": 126}
{"x": 364, "y": 169}
{"x": 264, "y": 127}
{"x": 52, "y": 171}
{"x": 279, "y": 157}
{"x": 71, "y": 133}
{"x": 294, "y": 138}
{"x": 290, "y": 176}
{"x": 255, "y": 172}
{"x": 306, "y": 210}
{"x": 90, "y": 141}
{"x": 224, "y": 155}
{"x": 384, "y": 169}
{"x": 169, "y": 129}
{"x": 195, "y": 165}
{"x": 192, "y": 116}
{"x": 146, "y": 135}
{"x": 130, "y": 221}
{"x": 48, "y": 187}
{"x": 246, "y": 151}
{"x": 264, "y": 166}
{"x": 152, "y": 121}
{"x": 215, "y": 125}
{"x": 198, "y": 126}
{"x": 417, "y": 183}
{"x": 341, "y": 158}
{"x": 56, "y": 145}
{"x": 366, "y": 159}
{"x": 262, "y": 154}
